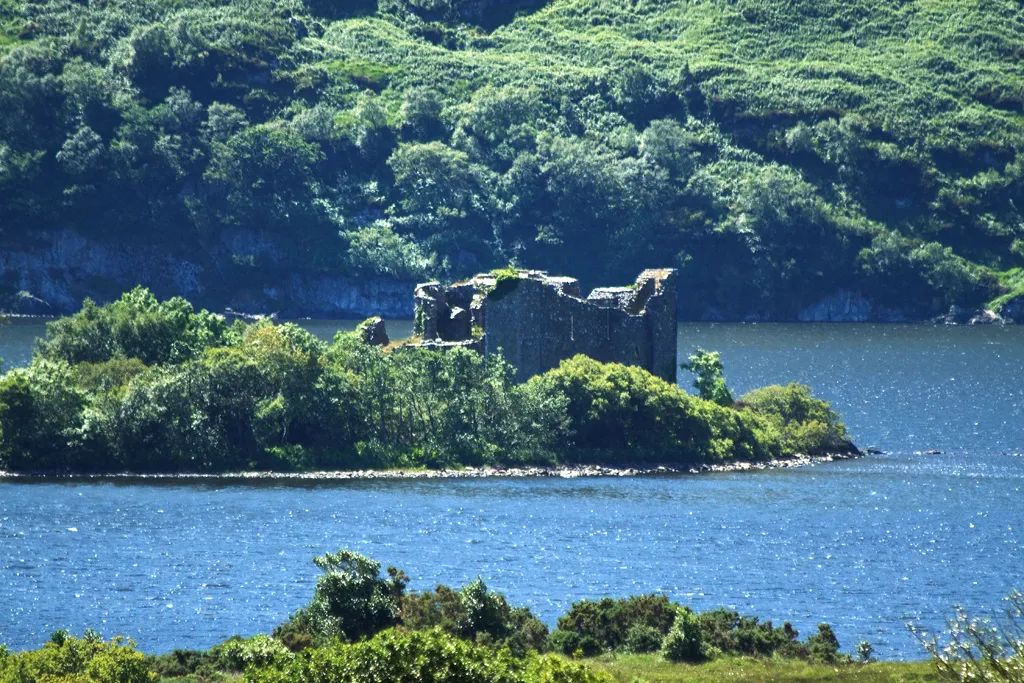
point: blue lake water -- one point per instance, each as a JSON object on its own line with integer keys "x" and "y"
{"x": 864, "y": 544}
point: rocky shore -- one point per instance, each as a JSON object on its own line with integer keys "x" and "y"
{"x": 564, "y": 472}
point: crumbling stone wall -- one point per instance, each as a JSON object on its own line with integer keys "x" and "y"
{"x": 536, "y": 320}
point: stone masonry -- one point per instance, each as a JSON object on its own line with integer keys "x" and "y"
{"x": 536, "y": 320}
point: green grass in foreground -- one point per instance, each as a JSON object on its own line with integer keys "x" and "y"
{"x": 655, "y": 669}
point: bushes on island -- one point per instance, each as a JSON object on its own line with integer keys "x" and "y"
{"x": 803, "y": 423}
{"x": 619, "y": 411}
{"x": 144, "y": 386}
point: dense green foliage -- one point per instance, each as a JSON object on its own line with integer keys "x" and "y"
{"x": 396, "y": 657}
{"x": 361, "y": 626}
{"x": 135, "y": 326}
{"x": 65, "y": 659}
{"x": 648, "y": 623}
{"x": 143, "y": 386}
{"x": 709, "y": 379}
{"x": 776, "y": 152}
{"x": 478, "y": 614}
{"x": 806, "y": 424}
{"x": 624, "y": 411}
{"x": 594, "y": 627}
{"x": 684, "y": 642}
{"x": 351, "y": 599}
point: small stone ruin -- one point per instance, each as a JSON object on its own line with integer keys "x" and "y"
{"x": 536, "y": 320}
{"x": 373, "y": 332}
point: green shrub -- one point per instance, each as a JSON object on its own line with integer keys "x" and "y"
{"x": 259, "y": 651}
{"x": 506, "y": 280}
{"x": 566, "y": 642}
{"x": 134, "y": 326}
{"x": 728, "y": 632}
{"x": 684, "y": 641}
{"x": 66, "y": 659}
{"x": 823, "y": 646}
{"x": 42, "y": 421}
{"x": 618, "y": 411}
{"x": 206, "y": 665}
{"x": 646, "y": 623}
{"x": 709, "y": 382}
{"x": 296, "y": 634}
{"x": 641, "y": 639}
{"x": 607, "y": 623}
{"x": 476, "y": 614}
{"x": 352, "y": 599}
{"x": 397, "y": 657}
{"x": 807, "y": 425}
{"x": 378, "y": 251}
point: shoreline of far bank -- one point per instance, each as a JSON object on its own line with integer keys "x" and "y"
{"x": 563, "y": 472}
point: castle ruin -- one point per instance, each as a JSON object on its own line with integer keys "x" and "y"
{"x": 537, "y": 320}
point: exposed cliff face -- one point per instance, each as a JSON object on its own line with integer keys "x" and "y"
{"x": 846, "y": 306}
{"x": 1014, "y": 309}
{"x": 56, "y": 276}
{"x": 70, "y": 268}
{"x": 62, "y": 268}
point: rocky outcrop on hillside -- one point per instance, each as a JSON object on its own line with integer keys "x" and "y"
{"x": 1014, "y": 309}
{"x": 63, "y": 268}
{"x": 250, "y": 272}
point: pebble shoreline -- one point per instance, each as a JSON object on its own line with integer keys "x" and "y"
{"x": 571, "y": 472}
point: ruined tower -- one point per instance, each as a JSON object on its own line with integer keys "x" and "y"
{"x": 537, "y": 320}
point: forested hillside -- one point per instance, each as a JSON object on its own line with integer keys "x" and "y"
{"x": 777, "y": 152}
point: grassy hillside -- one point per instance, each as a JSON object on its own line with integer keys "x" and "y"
{"x": 775, "y": 151}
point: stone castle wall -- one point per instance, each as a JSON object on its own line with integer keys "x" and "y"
{"x": 536, "y": 320}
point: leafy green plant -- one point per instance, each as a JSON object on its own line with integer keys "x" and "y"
{"x": 710, "y": 380}
{"x": 506, "y": 280}
{"x": 66, "y": 659}
{"x": 607, "y": 623}
{"x": 477, "y": 614}
{"x": 684, "y": 641}
{"x": 641, "y": 638}
{"x": 396, "y": 657}
{"x": 806, "y": 424}
{"x": 351, "y": 599}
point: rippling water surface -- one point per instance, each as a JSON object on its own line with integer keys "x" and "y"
{"x": 864, "y": 545}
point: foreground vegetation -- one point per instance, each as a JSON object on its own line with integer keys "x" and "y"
{"x": 362, "y": 625}
{"x": 775, "y": 152}
{"x": 147, "y": 386}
